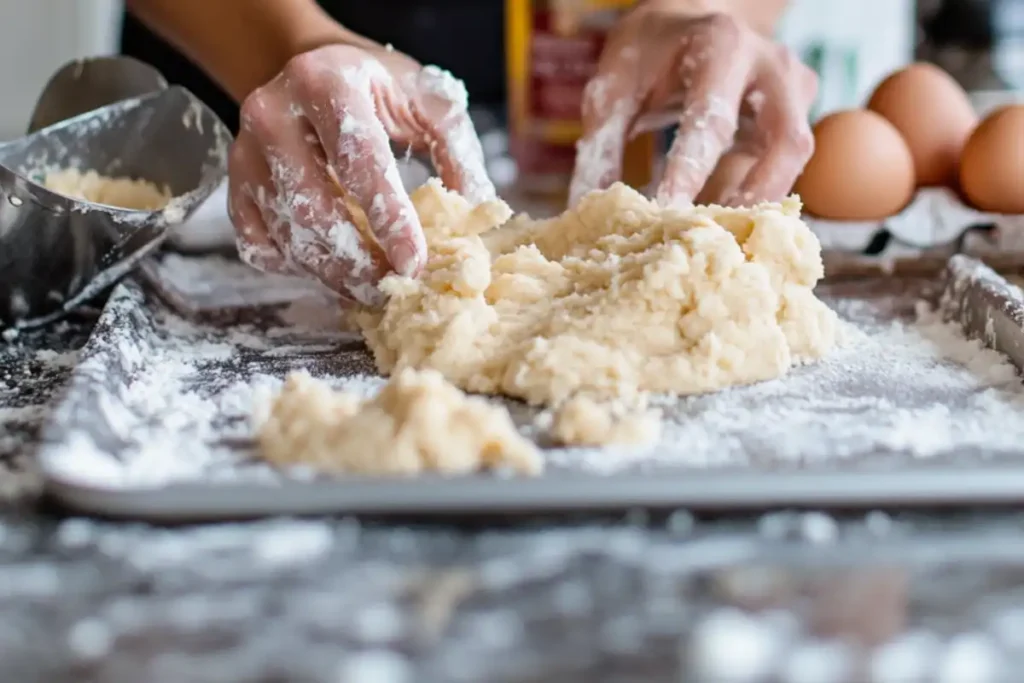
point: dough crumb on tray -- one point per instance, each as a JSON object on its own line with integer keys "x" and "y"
{"x": 417, "y": 423}
{"x": 125, "y": 193}
{"x": 583, "y": 421}
{"x": 587, "y": 314}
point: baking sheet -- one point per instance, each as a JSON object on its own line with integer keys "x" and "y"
{"x": 157, "y": 423}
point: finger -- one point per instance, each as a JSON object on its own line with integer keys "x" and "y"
{"x": 257, "y": 190}
{"x": 321, "y": 262}
{"x": 357, "y": 148}
{"x": 306, "y": 215}
{"x": 707, "y": 128}
{"x": 255, "y": 245}
{"x": 788, "y": 142}
{"x": 440, "y": 107}
{"x": 609, "y": 107}
{"x": 723, "y": 183}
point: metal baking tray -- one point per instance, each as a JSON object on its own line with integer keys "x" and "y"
{"x": 175, "y": 353}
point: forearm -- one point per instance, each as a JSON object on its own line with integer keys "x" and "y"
{"x": 241, "y": 44}
{"x": 763, "y": 15}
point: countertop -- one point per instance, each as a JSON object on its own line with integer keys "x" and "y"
{"x": 793, "y": 597}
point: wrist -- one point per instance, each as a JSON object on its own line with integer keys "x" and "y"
{"x": 312, "y": 28}
{"x": 761, "y": 15}
{"x": 320, "y": 32}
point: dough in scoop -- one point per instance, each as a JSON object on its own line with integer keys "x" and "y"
{"x": 126, "y": 193}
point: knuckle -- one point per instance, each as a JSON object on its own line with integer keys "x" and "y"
{"x": 234, "y": 214}
{"x": 312, "y": 77}
{"x": 255, "y": 112}
{"x": 723, "y": 27}
{"x": 787, "y": 58}
{"x": 594, "y": 96}
{"x": 238, "y": 159}
{"x": 797, "y": 78}
{"x": 800, "y": 139}
{"x": 315, "y": 64}
{"x": 808, "y": 78}
{"x": 304, "y": 64}
{"x": 790, "y": 65}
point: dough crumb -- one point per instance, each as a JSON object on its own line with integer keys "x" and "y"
{"x": 582, "y": 421}
{"x": 417, "y": 423}
{"x": 126, "y": 193}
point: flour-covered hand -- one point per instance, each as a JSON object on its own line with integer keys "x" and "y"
{"x": 740, "y": 100}
{"x": 314, "y": 148}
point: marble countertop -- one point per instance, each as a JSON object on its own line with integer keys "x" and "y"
{"x": 787, "y": 597}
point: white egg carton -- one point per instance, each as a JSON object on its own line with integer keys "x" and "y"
{"x": 935, "y": 225}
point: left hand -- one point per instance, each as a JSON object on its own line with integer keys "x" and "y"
{"x": 740, "y": 99}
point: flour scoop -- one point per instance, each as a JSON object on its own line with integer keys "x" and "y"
{"x": 117, "y": 117}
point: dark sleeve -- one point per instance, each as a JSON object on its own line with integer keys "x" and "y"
{"x": 463, "y": 36}
{"x": 139, "y": 42}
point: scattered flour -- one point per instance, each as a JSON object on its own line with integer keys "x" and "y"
{"x": 180, "y": 400}
{"x": 915, "y": 389}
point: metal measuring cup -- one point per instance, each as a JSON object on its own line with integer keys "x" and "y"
{"x": 117, "y": 117}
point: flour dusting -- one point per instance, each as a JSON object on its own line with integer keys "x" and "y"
{"x": 160, "y": 398}
{"x": 915, "y": 389}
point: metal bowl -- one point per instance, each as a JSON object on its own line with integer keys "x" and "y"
{"x": 57, "y": 252}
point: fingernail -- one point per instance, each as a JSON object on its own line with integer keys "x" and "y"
{"x": 404, "y": 259}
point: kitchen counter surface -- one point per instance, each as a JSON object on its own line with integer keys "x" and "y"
{"x": 785, "y": 596}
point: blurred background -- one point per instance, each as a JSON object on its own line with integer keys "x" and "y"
{"x": 851, "y": 43}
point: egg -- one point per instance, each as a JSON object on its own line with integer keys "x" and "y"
{"x": 861, "y": 168}
{"x": 992, "y": 165}
{"x": 933, "y": 114}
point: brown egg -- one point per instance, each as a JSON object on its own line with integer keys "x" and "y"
{"x": 992, "y": 165}
{"x": 861, "y": 168}
{"x": 934, "y": 115}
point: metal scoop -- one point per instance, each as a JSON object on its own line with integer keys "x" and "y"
{"x": 117, "y": 117}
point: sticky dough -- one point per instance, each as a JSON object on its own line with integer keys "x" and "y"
{"x": 126, "y": 193}
{"x": 587, "y": 313}
{"x": 417, "y": 422}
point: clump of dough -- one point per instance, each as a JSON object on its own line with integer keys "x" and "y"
{"x": 417, "y": 423}
{"x": 126, "y": 193}
{"x": 614, "y": 299}
{"x": 585, "y": 314}
{"x": 582, "y": 421}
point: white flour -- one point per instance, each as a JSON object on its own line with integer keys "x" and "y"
{"x": 920, "y": 389}
{"x": 895, "y": 391}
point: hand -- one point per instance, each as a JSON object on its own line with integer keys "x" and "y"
{"x": 741, "y": 102}
{"x": 313, "y": 153}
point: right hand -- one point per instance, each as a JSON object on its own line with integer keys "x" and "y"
{"x": 740, "y": 100}
{"x": 314, "y": 143}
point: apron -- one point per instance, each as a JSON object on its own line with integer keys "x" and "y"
{"x": 464, "y": 36}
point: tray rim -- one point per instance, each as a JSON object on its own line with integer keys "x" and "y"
{"x": 705, "y": 491}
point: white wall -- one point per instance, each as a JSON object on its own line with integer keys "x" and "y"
{"x": 37, "y": 37}
{"x": 859, "y": 42}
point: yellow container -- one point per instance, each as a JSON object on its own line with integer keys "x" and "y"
{"x": 552, "y": 49}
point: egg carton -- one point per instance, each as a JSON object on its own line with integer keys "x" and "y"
{"x": 921, "y": 238}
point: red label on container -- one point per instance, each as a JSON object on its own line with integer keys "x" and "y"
{"x": 560, "y": 67}
{"x": 562, "y": 59}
